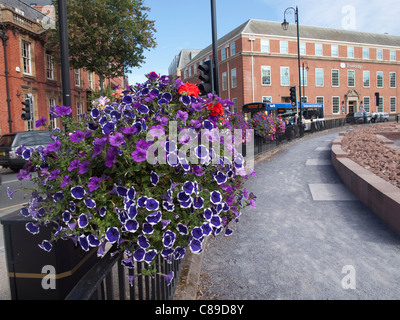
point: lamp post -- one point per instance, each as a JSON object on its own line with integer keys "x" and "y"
{"x": 4, "y": 37}
{"x": 285, "y": 26}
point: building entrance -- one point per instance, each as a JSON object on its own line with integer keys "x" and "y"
{"x": 352, "y": 106}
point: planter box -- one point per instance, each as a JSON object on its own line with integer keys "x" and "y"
{"x": 35, "y": 274}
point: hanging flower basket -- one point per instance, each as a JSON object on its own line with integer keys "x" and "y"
{"x": 143, "y": 170}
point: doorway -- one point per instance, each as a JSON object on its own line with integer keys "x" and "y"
{"x": 352, "y": 106}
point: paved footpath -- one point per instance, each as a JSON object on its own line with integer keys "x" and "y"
{"x": 309, "y": 237}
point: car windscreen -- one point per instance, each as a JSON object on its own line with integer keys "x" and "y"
{"x": 7, "y": 140}
{"x": 44, "y": 138}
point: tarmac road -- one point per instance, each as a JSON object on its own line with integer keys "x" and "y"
{"x": 308, "y": 239}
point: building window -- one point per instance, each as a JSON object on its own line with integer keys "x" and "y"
{"x": 366, "y": 79}
{"x": 379, "y": 79}
{"x": 264, "y": 45}
{"x": 335, "y": 78}
{"x": 379, "y": 54}
{"x": 284, "y": 46}
{"x": 302, "y": 48}
{"x": 334, "y": 50}
{"x": 233, "y": 49}
{"x": 318, "y": 49}
{"x": 223, "y": 54}
{"x": 303, "y": 76}
{"x": 90, "y": 80}
{"x": 79, "y": 108}
{"x": 380, "y": 108}
{"x": 267, "y": 99}
{"x": 190, "y": 72}
{"x": 392, "y": 55}
{"x": 235, "y": 105}
{"x": 77, "y": 73}
{"x": 233, "y": 78}
{"x": 366, "y": 104}
{"x": 195, "y": 69}
{"x": 350, "y": 78}
{"x": 266, "y": 75}
{"x": 319, "y": 77}
{"x": 224, "y": 81}
{"x": 26, "y": 57}
{"x": 49, "y": 67}
{"x": 320, "y": 100}
{"x": 285, "y": 76}
{"x": 53, "y": 121}
{"x": 350, "y": 52}
{"x": 392, "y": 104}
{"x": 365, "y": 53}
{"x": 393, "y": 79}
{"x": 335, "y": 104}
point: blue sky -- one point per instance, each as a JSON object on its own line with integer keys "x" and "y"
{"x": 186, "y": 24}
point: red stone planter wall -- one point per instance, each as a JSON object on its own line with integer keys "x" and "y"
{"x": 380, "y": 196}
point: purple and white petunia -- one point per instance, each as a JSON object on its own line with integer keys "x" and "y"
{"x": 131, "y": 225}
{"x": 83, "y": 221}
{"x": 154, "y": 178}
{"x": 215, "y": 197}
{"x": 46, "y": 245}
{"x": 168, "y": 239}
{"x": 152, "y": 204}
{"x": 112, "y": 234}
{"x": 154, "y": 218}
{"x": 32, "y": 228}
{"x": 182, "y": 229}
{"x": 78, "y": 192}
{"x": 83, "y": 241}
{"x": 143, "y": 242}
{"x": 195, "y": 246}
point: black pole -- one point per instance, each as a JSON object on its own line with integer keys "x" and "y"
{"x": 215, "y": 47}
{"x": 4, "y": 37}
{"x": 63, "y": 33}
{"x": 298, "y": 60}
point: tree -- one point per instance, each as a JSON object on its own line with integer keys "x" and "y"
{"x": 107, "y": 37}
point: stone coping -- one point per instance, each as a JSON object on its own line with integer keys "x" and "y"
{"x": 379, "y": 195}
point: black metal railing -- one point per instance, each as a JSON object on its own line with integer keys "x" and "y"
{"x": 109, "y": 280}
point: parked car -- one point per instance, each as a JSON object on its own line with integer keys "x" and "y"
{"x": 11, "y": 141}
{"x": 380, "y": 117}
{"x": 358, "y": 117}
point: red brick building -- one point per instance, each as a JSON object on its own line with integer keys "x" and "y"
{"x": 342, "y": 69}
{"x": 32, "y": 70}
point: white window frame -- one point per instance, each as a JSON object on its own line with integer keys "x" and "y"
{"x": 266, "y": 73}
{"x": 365, "y": 53}
{"x": 77, "y": 76}
{"x": 390, "y": 80}
{"x": 350, "y": 52}
{"x": 367, "y": 103}
{"x": 319, "y": 49}
{"x": 349, "y": 77}
{"x": 319, "y": 77}
{"x": 393, "y": 102}
{"x": 377, "y": 79}
{"x": 366, "y": 77}
{"x": 283, "y": 46}
{"x": 338, "y": 77}
{"x": 233, "y": 78}
{"x": 224, "y": 81}
{"x": 283, "y": 76}
{"x": 334, "y": 50}
{"x": 265, "y": 45}
{"x": 334, "y": 104}
{"x": 379, "y": 54}
{"x": 49, "y": 67}
{"x": 26, "y": 58}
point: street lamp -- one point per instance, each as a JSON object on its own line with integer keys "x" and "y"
{"x": 4, "y": 37}
{"x": 285, "y": 26}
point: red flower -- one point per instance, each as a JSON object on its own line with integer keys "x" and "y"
{"x": 189, "y": 89}
{"x": 216, "y": 109}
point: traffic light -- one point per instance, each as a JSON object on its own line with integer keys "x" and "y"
{"x": 377, "y": 99}
{"x": 207, "y": 77}
{"x": 293, "y": 95}
{"x": 26, "y": 115}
